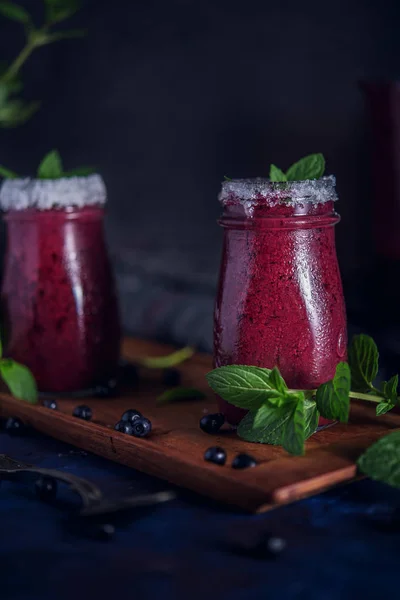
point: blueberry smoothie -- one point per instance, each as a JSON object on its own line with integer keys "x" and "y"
{"x": 58, "y": 297}
{"x": 280, "y": 299}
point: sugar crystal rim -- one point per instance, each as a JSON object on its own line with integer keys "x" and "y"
{"x": 260, "y": 190}
{"x": 45, "y": 194}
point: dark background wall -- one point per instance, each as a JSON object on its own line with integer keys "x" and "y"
{"x": 166, "y": 97}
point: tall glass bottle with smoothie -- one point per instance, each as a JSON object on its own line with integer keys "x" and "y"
{"x": 59, "y": 305}
{"x": 280, "y": 300}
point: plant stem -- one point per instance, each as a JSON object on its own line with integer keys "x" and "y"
{"x": 17, "y": 64}
{"x": 367, "y": 397}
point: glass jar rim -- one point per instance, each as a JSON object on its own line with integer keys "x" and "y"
{"x": 46, "y": 194}
{"x": 262, "y": 191}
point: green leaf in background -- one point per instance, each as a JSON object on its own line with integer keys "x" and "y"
{"x": 180, "y": 393}
{"x": 19, "y": 380}
{"x": 363, "y": 361}
{"x": 275, "y": 174}
{"x": 227, "y": 178}
{"x": 332, "y": 398}
{"x": 381, "y": 461}
{"x": 309, "y": 167}
{"x": 170, "y": 360}
{"x": 80, "y": 172}
{"x": 59, "y": 10}
{"x": 7, "y": 173}
{"x": 14, "y": 11}
{"x": 295, "y": 430}
{"x": 51, "y": 166}
{"x": 241, "y": 385}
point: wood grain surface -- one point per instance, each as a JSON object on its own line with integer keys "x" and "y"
{"x": 175, "y": 449}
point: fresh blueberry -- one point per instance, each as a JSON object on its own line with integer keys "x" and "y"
{"x": 107, "y": 390}
{"x": 83, "y": 412}
{"x": 216, "y": 455}
{"x": 243, "y": 461}
{"x": 141, "y": 427}
{"x": 124, "y": 427}
{"x": 14, "y": 426}
{"x": 46, "y": 488}
{"x": 131, "y": 415}
{"x": 50, "y": 403}
{"x": 212, "y": 423}
{"x": 171, "y": 377}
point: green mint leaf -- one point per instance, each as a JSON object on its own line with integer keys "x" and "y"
{"x": 381, "y": 461}
{"x": 273, "y": 422}
{"x": 294, "y": 434}
{"x": 14, "y": 12}
{"x": 363, "y": 361}
{"x": 227, "y": 178}
{"x": 309, "y": 167}
{"x": 244, "y": 386}
{"x": 19, "y": 380}
{"x": 7, "y": 174}
{"x": 170, "y": 360}
{"x": 276, "y": 381}
{"x": 51, "y": 166}
{"x": 59, "y": 10}
{"x": 332, "y": 398}
{"x": 275, "y": 174}
{"x": 180, "y": 393}
{"x": 80, "y": 172}
{"x": 390, "y": 389}
{"x": 383, "y": 408}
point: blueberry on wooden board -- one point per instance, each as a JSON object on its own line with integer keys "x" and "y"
{"x": 216, "y": 455}
{"x": 50, "y": 403}
{"x": 141, "y": 427}
{"x": 212, "y": 423}
{"x": 124, "y": 427}
{"x": 83, "y": 412}
{"x": 243, "y": 461}
{"x": 107, "y": 390}
{"x": 131, "y": 415}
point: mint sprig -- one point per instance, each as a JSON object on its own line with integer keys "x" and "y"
{"x": 309, "y": 167}
{"x": 50, "y": 167}
{"x": 282, "y": 416}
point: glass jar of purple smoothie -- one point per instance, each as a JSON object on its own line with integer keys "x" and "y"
{"x": 280, "y": 300}
{"x": 58, "y": 297}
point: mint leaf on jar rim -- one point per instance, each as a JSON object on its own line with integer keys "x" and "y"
{"x": 7, "y": 173}
{"x": 333, "y": 400}
{"x": 19, "y": 380}
{"x": 80, "y": 172}
{"x": 363, "y": 360}
{"x": 381, "y": 461}
{"x": 169, "y": 360}
{"x": 51, "y": 166}
{"x": 309, "y": 167}
{"x": 276, "y": 174}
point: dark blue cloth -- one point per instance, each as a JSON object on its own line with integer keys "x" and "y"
{"x": 341, "y": 544}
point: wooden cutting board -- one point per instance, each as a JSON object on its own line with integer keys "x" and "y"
{"x": 175, "y": 450}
